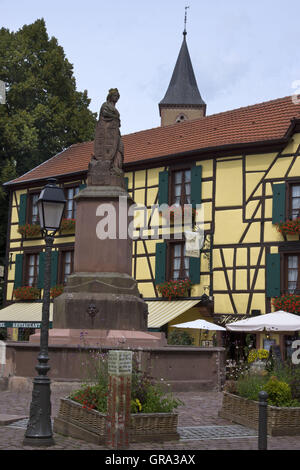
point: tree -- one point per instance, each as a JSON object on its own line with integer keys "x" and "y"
{"x": 44, "y": 113}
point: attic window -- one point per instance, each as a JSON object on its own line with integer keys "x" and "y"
{"x": 181, "y": 117}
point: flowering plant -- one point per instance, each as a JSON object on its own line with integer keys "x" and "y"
{"x": 29, "y": 230}
{"x": 68, "y": 225}
{"x": 255, "y": 354}
{"x": 26, "y": 293}
{"x": 288, "y": 303}
{"x": 147, "y": 395}
{"x": 175, "y": 288}
{"x": 289, "y": 227}
{"x": 56, "y": 291}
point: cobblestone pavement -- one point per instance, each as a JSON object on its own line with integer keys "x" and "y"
{"x": 200, "y": 409}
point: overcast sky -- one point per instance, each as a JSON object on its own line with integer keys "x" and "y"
{"x": 242, "y": 52}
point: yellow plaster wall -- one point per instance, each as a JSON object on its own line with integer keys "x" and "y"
{"x": 229, "y": 183}
{"x": 229, "y": 226}
{"x": 207, "y": 168}
{"x": 293, "y": 144}
{"x": 259, "y": 162}
{"x": 279, "y": 168}
{"x": 152, "y": 176}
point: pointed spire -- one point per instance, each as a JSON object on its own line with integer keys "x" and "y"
{"x": 183, "y": 88}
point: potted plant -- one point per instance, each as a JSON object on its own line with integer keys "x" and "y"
{"x": 152, "y": 406}
{"x": 257, "y": 360}
{"x": 26, "y": 293}
{"x": 240, "y": 400}
{"x": 175, "y": 288}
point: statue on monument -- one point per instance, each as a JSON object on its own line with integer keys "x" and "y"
{"x": 106, "y": 165}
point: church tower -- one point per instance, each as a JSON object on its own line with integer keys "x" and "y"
{"x": 182, "y": 100}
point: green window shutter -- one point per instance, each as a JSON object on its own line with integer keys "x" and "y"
{"x": 163, "y": 188}
{"x": 194, "y": 270}
{"x": 196, "y": 183}
{"x": 18, "y": 271}
{"x": 160, "y": 262}
{"x": 22, "y": 209}
{"x": 126, "y": 182}
{"x": 54, "y": 268}
{"x": 273, "y": 275}
{"x": 278, "y": 212}
{"x": 40, "y": 282}
{"x": 82, "y": 186}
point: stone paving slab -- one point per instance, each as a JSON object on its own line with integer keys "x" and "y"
{"x": 8, "y": 419}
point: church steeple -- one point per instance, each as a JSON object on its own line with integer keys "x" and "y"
{"x": 182, "y": 100}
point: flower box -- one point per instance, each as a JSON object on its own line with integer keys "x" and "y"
{"x": 29, "y": 230}
{"x": 289, "y": 227}
{"x": 282, "y": 421}
{"x": 174, "y": 289}
{"x": 55, "y": 291}
{"x": 288, "y": 303}
{"x": 90, "y": 425}
{"x": 68, "y": 225}
{"x": 27, "y": 293}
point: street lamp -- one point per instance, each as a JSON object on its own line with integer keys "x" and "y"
{"x": 51, "y": 204}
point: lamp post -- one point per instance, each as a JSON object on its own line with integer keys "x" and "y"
{"x": 51, "y": 204}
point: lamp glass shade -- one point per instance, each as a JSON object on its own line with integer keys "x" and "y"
{"x": 50, "y": 214}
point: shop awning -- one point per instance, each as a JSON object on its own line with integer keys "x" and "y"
{"x": 23, "y": 315}
{"x": 29, "y": 315}
{"x": 163, "y": 311}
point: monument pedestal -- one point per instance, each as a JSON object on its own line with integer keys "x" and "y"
{"x": 101, "y": 297}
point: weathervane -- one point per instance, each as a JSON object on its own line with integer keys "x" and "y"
{"x": 185, "y": 15}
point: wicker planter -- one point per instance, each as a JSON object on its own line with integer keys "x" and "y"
{"x": 281, "y": 421}
{"x": 75, "y": 421}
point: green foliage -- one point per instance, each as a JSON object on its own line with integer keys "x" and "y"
{"x": 147, "y": 395}
{"x": 43, "y": 113}
{"x": 282, "y": 386}
{"x": 180, "y": 337}
{"x": 279, "y": 393}
{"x": 249, "y": 386}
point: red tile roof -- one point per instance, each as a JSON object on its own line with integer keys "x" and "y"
{"x": 258, "y": 123}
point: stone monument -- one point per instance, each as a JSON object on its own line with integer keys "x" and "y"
{"x": 101, "y": 297}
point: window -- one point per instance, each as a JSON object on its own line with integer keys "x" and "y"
{"x": 33, "y": 209}
{"x": 294, "y": 202}
{"x": 32, "y": 269}
{"x": 292, "y": 277}
{"x": 70, "y": 212}
{"x": 179, "y": 262}
{"x": 67, "y": 265}
{"x": 181, "y": 187}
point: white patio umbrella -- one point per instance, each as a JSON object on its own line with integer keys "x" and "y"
{"x": 200, "y": 325}
{"x": 275, "y": 321}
